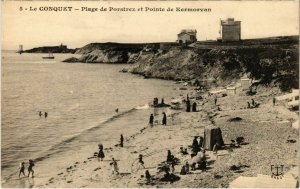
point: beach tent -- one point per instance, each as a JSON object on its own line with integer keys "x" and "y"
{"x": 245, "y": 83}
{"x": 212, "y": 134}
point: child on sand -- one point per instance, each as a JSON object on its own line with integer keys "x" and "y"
{"x": 183, "y": 170}
{"x": 100, "y": 153}
{"x": 141, "y": 162}
{"x": 22, "y": 169}
{"x": 151, "y": 120}
{"x": 30, "y": 170}
{"x": 114, "y": 166}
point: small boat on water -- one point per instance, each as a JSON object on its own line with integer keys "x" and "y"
{"x": 48, "y": 57}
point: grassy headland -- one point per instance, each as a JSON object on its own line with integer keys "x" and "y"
{"x": 269, "y": 60}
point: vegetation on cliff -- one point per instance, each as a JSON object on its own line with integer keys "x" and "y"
{"x": 50, "y": 49}
{"x": 271, "y": 61}
{"x": 108, "y": 52}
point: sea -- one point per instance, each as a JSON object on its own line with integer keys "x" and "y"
{"x": 80, "y": 100}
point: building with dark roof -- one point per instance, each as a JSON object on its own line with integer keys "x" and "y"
{"x": 187, "y": 36}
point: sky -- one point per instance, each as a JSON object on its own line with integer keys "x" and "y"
{"x": 78, "y": 28}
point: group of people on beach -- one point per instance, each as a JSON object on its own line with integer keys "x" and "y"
{"x": 41, "y": 114}
{"x": 171, "y": 160}
{"x": 164, "y": 119}
{"x": 113, "y": 163}
{"x": 188, "y": 105}
{"x": 30, "y": 168}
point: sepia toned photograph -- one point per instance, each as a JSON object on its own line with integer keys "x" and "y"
{"x": 150, "y": 94}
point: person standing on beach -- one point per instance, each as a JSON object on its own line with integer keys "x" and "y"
{"x": 151, "y": 120}
{"x": 114, "y": 166}
{"x": 147, "y": 176}
{"x": 22, "y": 169}
{"x": 216, "y": 99}
{"x": 121, "y": 140}
{"x": 46, "y": 114}
{"x": 188, "y": 106}
{"x": 195, "y": 147}
{"x": 164, "y": 120}
{"x": 274, "y": 101}
{"x": 194, "y": 107}
{"x": 169, "y": 156}
{"x": 40, "y": 114}
{"x": 100, "y": 153}
{"x": 30, "y": 168}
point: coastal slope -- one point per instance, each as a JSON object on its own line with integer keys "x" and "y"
{"x": 269, "y": 60}
{"x": 107, "y": 52}
{"x": 272, "y": 60}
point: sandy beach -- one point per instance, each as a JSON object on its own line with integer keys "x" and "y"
{"x": 265, "y": 129}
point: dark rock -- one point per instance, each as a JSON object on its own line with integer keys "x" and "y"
{"x": 235, "y": 119}
{"x": 71, "y": 60}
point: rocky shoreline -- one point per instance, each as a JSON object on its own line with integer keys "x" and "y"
{"x": 272, "y": 61}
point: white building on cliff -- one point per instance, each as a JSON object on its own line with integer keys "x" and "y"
{"x": 187, "y": 36}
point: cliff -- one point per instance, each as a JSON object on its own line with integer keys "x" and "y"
{"x": 50, "y": 49}
{"x": 271, "y": 61}
{"x": 110, "y": 52}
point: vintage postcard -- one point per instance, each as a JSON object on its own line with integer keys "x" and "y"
{"x": 150, "y": 94}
